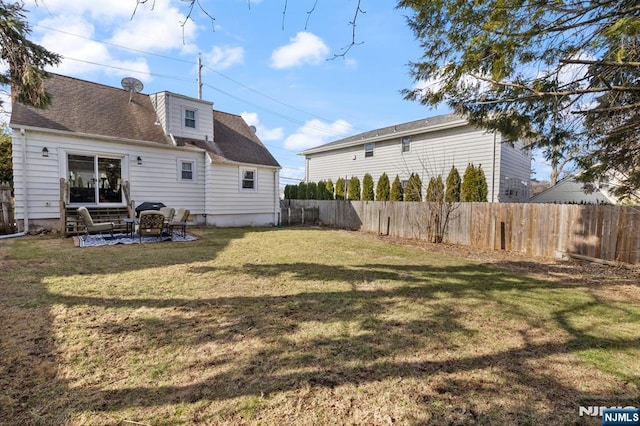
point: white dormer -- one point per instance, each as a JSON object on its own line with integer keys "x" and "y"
{"x": 182, "y": 116}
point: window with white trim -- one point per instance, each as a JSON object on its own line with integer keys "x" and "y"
{"x": 406, "y": 144}
{"x": 190, "y": 118}
{"x": 187, "y": 170}
{"x": 368, "y": 150}
{"x": 248, "y": 179}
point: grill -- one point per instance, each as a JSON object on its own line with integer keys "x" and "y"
{"x": 148, "y": 205}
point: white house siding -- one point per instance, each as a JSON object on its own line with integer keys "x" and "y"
{"x": 229, "y": 205}
{"x": 431, "y": 154}
{"x": 569, "y": 191}
{"x": 170, "y": 109}
{"x": 515, "y": 172}
{"x": 155, "y": 180}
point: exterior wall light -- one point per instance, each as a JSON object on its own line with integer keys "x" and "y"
{"x": 45, "y": 152}
{"x": 139, "y": 160}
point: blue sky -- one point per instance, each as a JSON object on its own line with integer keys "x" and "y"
{"x": 269, "y": 64}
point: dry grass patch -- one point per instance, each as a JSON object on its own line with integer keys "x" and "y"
{"x": 306, "y": 326}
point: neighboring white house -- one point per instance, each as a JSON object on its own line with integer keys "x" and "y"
{"x": 428, "y": 147}
{"x": 105, "y": 147}
{"x": 570, "y": 191}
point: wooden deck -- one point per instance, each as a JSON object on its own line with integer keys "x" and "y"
{"x": 73, "y": 225}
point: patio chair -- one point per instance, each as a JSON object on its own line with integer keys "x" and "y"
{"x": 168, "y": 212}
{"x": 179, "y": 222}
{"x": 151, "y": 224}
{"x": 92, "y": 227}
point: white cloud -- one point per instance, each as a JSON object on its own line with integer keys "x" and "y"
{"x": 222, "y": 58}
{"x": 316, "y": 132}
{"x": 81, "y": 48}
{"x": 305, "y": 48}
{"x": 157, "y": 30}
{"x": 265, "y": 134}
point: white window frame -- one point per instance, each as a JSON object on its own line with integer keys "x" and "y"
{"x": 185, "y": 110}
{"x": 369, "y": 152}
{"x": 241, "y": 179}
{"x": 180, "y": 163}
{"x": 405, "y": 142}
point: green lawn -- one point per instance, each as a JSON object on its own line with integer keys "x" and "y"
{"x": 305, "y": 326}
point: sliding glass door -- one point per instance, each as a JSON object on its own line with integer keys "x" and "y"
{"x": 94, "y": 179}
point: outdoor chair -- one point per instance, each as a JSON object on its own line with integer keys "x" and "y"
{"x": 151, "y": 224}
{"x": 180, "y": 222}
{"x": 92, "y": 227}
{"x": 168, "y": 212}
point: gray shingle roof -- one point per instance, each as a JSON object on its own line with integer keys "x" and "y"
{"x": 95, "y": 109}
{"x": 91, "y": 108}
{"x": 390, "y": 131}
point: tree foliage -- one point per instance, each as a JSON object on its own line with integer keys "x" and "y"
{"x": 474, "y": 185}
{"x": 354, "y": 189}
{"x": 413, "y": 191}
{"x": 452, "y": 193}
{"x": 383, "y": 188}
{"x": 6, "y": 165}
{"x": 397, "y": 194}
{"x": 290, "y": 192}
{"x": 312, "y": 191}
{"x": 302, "y": 191}
{"x": 329, "y": 189}
{"x": 25, "y": 59}
{"x": 340, "y": 189}
{"x": 435, "y": 189}
{"x": 367, "y": 188}
{"x": 561, "y": 75}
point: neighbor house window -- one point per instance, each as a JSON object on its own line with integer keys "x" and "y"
{"x": 368, "y": 150}
{"x": 248, "y": 178}
{"x": 187, "y": 169}
{"x": 94, "y": 179}
{"x": 190, "y": 118}
{"x": 406, "y": 144}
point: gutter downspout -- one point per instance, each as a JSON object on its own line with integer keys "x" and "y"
{"x": 493, "y": 172}
{"x": 25, "y": 218}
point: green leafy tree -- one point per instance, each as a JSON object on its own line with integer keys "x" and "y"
{"x": 452, "y": 193}
{"x": 321, "y": 192}
{"x": 383, "y": 188}
{"x": 413, "y": 192}
{"x": 560, "y": 75}
{"x": 6, "y": 165}
{"x": 312, "y": 191}
{"x": 354, "y": 189}
{"x": 435, "y": 190}
{"x": 329, "y": 189}
{"x": 302, "y": 191}
{"x": 397, "y": 194}
{"x": 483, "y": 189}
{"x": 290, "y": 192}
{"x": 340, "y": 189}
{"x": 474, "y": 185}
{"x": 25, "y": 59}
{"x": 367, "y": 188}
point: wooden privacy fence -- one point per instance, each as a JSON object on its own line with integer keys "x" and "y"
{"x": 610, "y": 233}
{"x": 6, "y": 209}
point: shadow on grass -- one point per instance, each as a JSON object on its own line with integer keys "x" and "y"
{"x": 382, "y": 348}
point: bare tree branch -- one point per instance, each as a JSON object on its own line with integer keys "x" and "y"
{"x": 353, "y": 24}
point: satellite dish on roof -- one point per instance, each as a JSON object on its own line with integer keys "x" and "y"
{"x": 131, "y": 85}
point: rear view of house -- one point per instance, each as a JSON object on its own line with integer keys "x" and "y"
{"x": 111, "y": 149}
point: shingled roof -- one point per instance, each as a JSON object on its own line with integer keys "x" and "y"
{"x": 81, "y": 106}
{"x": 84, "y": 107}
{"x": 384, "y": 133}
